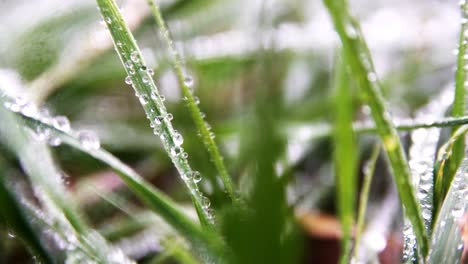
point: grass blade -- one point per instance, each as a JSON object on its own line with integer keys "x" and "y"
{"x": 141, "y": 80}
{"x": 81, "y": 243}
{"x": 186, "y": 84}
{"x": 458, "y": 109}
{"x": 345, "y": 158}
{"x": 445, "y": 154}
{"x": 155, "y": 200}
{"x": 446, "y": 242}
{"x": 369, "y": 168}
{"x": 17, "y": 220}
{"x": 358, "y": 58}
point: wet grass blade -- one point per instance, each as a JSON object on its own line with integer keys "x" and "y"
{"x": 186, "y": 83}
{"x": 369, "y": 168}
{"x": 18, "y": 221}
{"x": 444, "y": 156}
{"x": 458, "y": 109}
{"x": 345, "y": 152}
{"x": 449, "y": 234}
{"x": 153, "y": 103}
{"x": 358, "y": 58}
{"x": 204, "y": 242}
{"x": 80, "y": 242}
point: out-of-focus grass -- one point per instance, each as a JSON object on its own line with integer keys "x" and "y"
{"x": 263, "y": 76}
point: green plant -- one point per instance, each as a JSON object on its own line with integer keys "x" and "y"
{"x": 252, "y": 196}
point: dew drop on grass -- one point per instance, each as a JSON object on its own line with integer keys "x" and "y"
{"x": 205, "y": 202}
{"x": 188, "y": 81}
{"x": 143, "y": 99}
{"x": 151, "y": 72}
{"x": 176, "y": 151}
{"x": 158, "y": 120}
{"x": 54, "y": 141}
{"x": 163, "y": 98}
{"x": 128, "y": 80}
{"x": 128, "y": 64}
{"x": 196, "y": 100}
{"x": 185, "y": 155}
{"x": 350, "y": 31}
{"x": 89, "y": 139}
{"x": 178, "y": 139}
{"x": 169, "y": 117}
{"x": 145, "y": 79}
{"x": 108, "y": 20}
{"x": 134, "y": 56}
{"x": 153, "y": 95}
{"x": 196, "y": 176}
{"x": 61, "y": 123}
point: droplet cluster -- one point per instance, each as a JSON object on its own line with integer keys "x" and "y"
{"x": 421, "y": 162}
{"x": 140, "y": 78}
{"x": 48, "y": 130}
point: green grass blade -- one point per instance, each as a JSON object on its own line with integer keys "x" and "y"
{"x": 82, "y": 243}
{"x": 345, "y": 159}
{"x": 444, "y": 155}
{"x": 358, "y": 58}
{"x": 186, "y": 84}
{"x": 141, "y": 80}
{"x": 155, "y": 200}
{"x": 18, "y": 221}
{"x": 446, "y": 242}
{"x": 458, "y": 109}
{"x": 369, "y": 168}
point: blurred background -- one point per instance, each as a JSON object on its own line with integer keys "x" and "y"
{"x": 243, "y": 55}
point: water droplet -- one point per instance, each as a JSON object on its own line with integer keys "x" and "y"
{"x": 196, "y": 100}
{"x": 205, "y": 202}
{"x": 351, "y": 31}
{"x": 188, "y": 81}
{"x": 108, "y": 20}
{"x": 176, "y": 151}
{"x": 169, "y": 116}
{"x": 42, "y": 133}
{"x": 129, "y": 64}
{"x": 185, "y": 155}
{"x": 61, "y": 123}
{"x": 143, "y": 99}
{"x": 372, "y": 77}
{"x": 151, "y": 72}
{"x": 196, "y": 176}
{"x": 178, "y": 139}
{"x": 145, "y": 79}
{"x": 128, "y": 80}
{"x": 54, "y": 141}
{"x": 119, "y": 44}
{"x": 89, "y": 139}
{"x": 11, "y": 235}
{"x": 163, "y": 98}
{"x": 134, "y": 56}
{"x": 158, "y": 120}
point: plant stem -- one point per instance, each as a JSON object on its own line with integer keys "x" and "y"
{"x": 359, "y": 59}
{"x": 369, "y": 168}
{"x": 344, "y": 156}
{"x": 186, "y": 83}
{"x": 141, "y": 80}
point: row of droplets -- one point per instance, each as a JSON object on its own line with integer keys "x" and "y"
{"x": 140, "y": 78}
{"x": 88, "y": 139}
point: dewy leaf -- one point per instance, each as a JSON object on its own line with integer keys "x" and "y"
{"x": 140, "y": 77}
{"x": 345, "y": 154}
{"x": 205, "y": 243}
{"x": 458, "y": 109}
{"x": 450, "y": 230}
{"x": 421, "y": 161}
{"x": 357, "y": 56}
{"x": 186, "y": 83}
{"x": 446, "y": 151}
{"x": 80, "y": 243}
{"x": 16, "y": 218}
{"x": 369, "y": 168}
